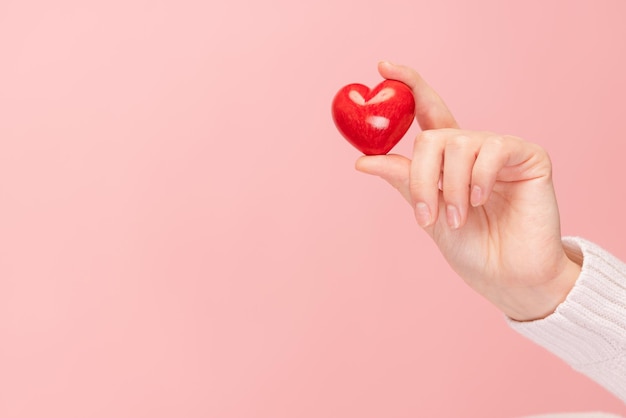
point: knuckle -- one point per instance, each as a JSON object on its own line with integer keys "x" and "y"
{"x": 480, "y": 172}
{"x": 541, "y": 152}
{"x": 428, "y": 136}
{"x": 543, "y": 158}
{"x": 417, "y": 187}
{"x": 454, "y": 190}
{"x": 496, "y": 141}
{"x": 421, "y": 191}
{"x": 457, "y": 143}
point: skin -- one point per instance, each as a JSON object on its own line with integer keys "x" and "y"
{"x": 488, "y": 202}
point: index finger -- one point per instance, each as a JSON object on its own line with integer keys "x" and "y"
{"x": 430, "y": 110}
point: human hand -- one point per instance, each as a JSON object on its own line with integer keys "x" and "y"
{"x": 488, "y": 202}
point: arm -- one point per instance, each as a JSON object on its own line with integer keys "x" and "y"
{"x": 488, "y": 202}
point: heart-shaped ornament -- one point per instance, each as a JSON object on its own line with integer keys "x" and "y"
{"x": 374, "y": 120}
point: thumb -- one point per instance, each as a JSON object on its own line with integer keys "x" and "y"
{"x": 430, "y": 110}
{"x": 392, "y": 168}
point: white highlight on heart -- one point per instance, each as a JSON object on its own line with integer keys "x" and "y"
{"x": 356, "y": 97}
{"x": 381, "y": 96}
{"x": 378, "y": 122}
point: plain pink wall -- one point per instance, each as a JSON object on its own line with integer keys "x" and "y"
{"x": 182, "y": 232}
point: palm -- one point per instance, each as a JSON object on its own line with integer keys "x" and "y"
{"x": 512, "y": 240}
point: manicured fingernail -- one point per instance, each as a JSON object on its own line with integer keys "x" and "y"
{"x": 422, "y": 214}
{"x": 477, "y": 196}
{"x": 454, "y": 216}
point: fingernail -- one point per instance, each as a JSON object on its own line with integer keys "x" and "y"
{"x": 454, "y": 216}
{"x": 476, "y": 196}
{"x": 422, "y": 214}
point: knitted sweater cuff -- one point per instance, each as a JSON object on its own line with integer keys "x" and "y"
{"x": 588, "y": 330}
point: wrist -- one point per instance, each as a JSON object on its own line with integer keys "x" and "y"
{"x": 538, "y": 302}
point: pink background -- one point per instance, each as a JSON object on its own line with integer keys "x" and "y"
{"x": 182, "y": 232}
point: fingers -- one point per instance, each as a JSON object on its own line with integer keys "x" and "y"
{"x": 448, "y": 155}
{"x": 451, "y": 169}
{"x": 469, "y": 165}
{"x": 424, "y": 178}
{"x": 460, "y": 155}
{"x": 504, "y": 158}
{"x": 430, "y": 110}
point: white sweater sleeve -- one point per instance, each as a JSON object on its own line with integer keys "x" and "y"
{"x": 588, "y": 330}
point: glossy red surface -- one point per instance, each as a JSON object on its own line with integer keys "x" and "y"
{"x": 374, "y": 120}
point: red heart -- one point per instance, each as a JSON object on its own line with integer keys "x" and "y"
{"x": 374, "y": 120}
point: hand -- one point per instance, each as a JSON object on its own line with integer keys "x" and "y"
{"x": 488, "y": 202}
